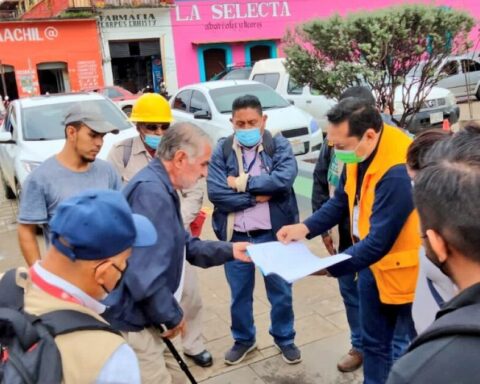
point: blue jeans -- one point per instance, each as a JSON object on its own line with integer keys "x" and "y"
{"x": 241, "y": 278}
{"x": 349, "y": 292}
{"x": 379, "y": 322}
{"x": 402, "y": 336}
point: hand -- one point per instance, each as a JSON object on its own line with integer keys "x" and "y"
{"x": 322, "y": 272}
{"x": 174, "y": 332}
{"x": 240, "y": 252}
{"x": 294, "y": 232}
{"x": 328, "y": 241}
{"x": 262, "y": 198}
{"x": 232, "y": 182}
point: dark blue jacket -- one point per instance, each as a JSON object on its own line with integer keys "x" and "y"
{"x": 145, "y": 295}
{"x": 278, "y": 183}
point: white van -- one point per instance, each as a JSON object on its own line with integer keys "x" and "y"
{"x": 272, "y": 72}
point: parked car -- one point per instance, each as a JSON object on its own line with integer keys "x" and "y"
{"x": 456, "y": 73}
{"x": 33, "y": 130}
{"x": 120, "y": 96}
{"x": 440, "y": 104}
{"x": 209, "y": 105}
{"x": 234, "y": 72}
{"x": 273, "y": 73}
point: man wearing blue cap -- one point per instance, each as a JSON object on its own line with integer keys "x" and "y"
{"x": 92, "y": 237}
{"x": 74, "y": 169}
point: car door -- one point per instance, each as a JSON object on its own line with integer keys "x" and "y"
{"x": 453, "y": 78}
{"x": 471, "y": 71}
{"x": 9, "y": 151}
{"x": 181, "y": 105}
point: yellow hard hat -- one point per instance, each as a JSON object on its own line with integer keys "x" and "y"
{"x": 151, "y": 108}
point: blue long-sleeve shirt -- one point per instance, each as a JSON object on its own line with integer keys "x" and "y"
{"x": 392, "y": 206}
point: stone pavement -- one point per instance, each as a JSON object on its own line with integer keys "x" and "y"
{"x": 320, "y": 323}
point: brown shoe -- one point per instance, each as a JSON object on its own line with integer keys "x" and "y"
{"x": 351, "y": 361}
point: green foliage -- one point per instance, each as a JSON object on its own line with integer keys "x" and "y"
{"x": 377, "y": 48}
{"x": 76, "y": 14}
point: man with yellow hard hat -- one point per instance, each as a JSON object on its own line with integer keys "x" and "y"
{"x": 152, "y": 116}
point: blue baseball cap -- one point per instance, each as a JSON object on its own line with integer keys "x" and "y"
{"x": 98, "y": 224}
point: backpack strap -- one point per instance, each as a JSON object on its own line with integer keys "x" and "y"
{"x": 267, "y": 142}
{"x": 460, "y": 322}
{"x": 12, "y": 294}
{"x": 67, "y": 321}
{"x": 127, "y": 151}
{"x": 227, "y": 147}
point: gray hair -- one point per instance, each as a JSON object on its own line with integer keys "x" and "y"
{"x": 183, "y": 136}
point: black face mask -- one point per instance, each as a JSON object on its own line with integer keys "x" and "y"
{"x": 122, "y": 273}
{"x": 432, "y": 256}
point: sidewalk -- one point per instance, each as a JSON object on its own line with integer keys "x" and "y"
{"x": 320, "y": 323}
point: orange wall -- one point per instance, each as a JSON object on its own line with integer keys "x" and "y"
{"x": 23, "y": 45}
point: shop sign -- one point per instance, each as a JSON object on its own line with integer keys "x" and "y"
{"x": 87, "y": 73}
{"x": 28, "y": 34}
{"x": 233, "y": 11}
{"x": 128, "y": 20}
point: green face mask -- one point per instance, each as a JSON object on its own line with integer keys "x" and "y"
{"x": 349, "y": 156}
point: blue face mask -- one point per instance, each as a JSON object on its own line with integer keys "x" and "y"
{"x": 248, "y": 137}
{"x": 153, "y": 141}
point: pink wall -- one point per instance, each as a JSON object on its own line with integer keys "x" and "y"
{"x": 206, "y": 21}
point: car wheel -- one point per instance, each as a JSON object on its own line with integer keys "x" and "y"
{"x": 477, "y": 95}
{"x": 127, "y": 110}
{"x": 9, "y": 193}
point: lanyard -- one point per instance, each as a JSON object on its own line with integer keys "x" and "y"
{"x": 248, "y": 168}
{"x": 436, "y": 295}
{"x": 51, "y": 289}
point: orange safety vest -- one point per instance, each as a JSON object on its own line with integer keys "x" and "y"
{"x": 395, "y": 273}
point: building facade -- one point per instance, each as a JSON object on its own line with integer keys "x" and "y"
{"x": 51, "y": 56}
{"x": 138, "y": 48}
{"x": 211, "y": 35}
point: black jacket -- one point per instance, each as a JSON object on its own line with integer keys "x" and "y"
{"x": 320, "y": 193}
{"x": 447, "y": 352}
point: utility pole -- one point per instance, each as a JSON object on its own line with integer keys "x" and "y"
{"x": 2, "y": 75}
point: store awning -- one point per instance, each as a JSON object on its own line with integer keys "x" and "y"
{"x": 227, "y": 41}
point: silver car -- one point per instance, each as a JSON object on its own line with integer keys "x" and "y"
{"x": 459, "y": 74}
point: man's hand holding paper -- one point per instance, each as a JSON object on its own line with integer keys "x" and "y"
{"x": 291, "y": 261}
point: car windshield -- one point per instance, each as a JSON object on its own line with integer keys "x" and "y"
{"x": 238, "y": 74}
{"x": 224, "y": 97}
{"x": 45, "y": 122}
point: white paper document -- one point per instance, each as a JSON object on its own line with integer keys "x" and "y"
{"x": 292, "y": 261}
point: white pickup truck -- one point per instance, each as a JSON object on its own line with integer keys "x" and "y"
{"x": 272, "y": 72}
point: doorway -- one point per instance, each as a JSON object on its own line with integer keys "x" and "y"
{"x": 53, "y": 77}
{"x": 7, "y": 72}
{"x": 215, "y": 60}
{"x": 136, "y": 64}
{"x": 260, "y": 50}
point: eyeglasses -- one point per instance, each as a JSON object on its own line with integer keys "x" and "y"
{"x": 155, "y": 127}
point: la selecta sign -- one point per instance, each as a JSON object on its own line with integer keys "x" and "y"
{"x": 28, "y": 34}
